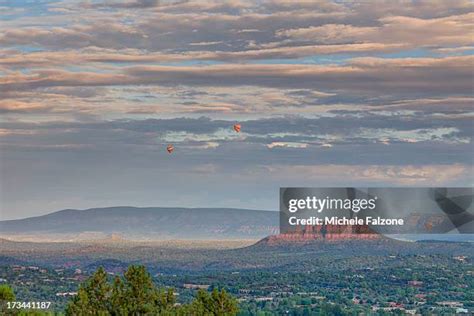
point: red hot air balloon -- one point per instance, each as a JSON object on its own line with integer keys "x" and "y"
{"x": 170, "y": 149}
{"x": 237, "y": 128}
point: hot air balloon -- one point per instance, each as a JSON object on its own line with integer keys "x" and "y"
{"x": 237, "y": 128}
{"x": 170, "y": 149}
{"x": 429, "y": 226}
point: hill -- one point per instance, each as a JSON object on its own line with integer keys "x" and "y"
{"x": 146, "y": 224}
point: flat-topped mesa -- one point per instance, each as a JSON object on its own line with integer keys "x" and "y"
{"x": 327, "y": 233}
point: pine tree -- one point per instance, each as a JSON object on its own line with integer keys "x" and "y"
{"x": 136, "y": 294}
{"x": 117, "y": 302}
{"x": 140, "y": 295}
{"x": 92, "y": 296}
{"x": 6, "y": 295}
{"x": 218, "y": 303}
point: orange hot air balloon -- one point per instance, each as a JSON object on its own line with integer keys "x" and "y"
{"x": 429, "y": 226}
{"x": 170, "y": 149}
{"x": 237, "y": 128}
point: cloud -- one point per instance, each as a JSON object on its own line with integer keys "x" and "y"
{"x": 375, "y": 174}
{"x": 15, "y": 59}
{"x": 454, "y": 104}
{"x": 128, "y": 4}
{"x": 321, "y": 140}
{"x": 14, "y": 106}
{"x": 364, "y": 74}
{"x": 164, "y": 26}
{"x": 431, "y": 76}
{"x": 92, "y": 92}
{"x": 329, "y": 33}
{"x": 287, "y": 145}
{"x": 425, "y": 9}
{"x": 415, "y": 32}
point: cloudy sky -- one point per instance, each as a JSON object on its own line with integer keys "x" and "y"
{"x": 329, "y": 93}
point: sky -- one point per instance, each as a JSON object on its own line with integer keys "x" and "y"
{"x": 328, "y": 93}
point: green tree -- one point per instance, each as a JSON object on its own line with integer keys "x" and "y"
{"x": 6, "y": 295}
{"x": 333, "y": 310}
{"x": 92, "y": 297}
{"x": 136, "y": 294}
{"x": 139, "y": 294}
{"x": 117, "y": 301}
{"x": 166, "y": 301}
{"x": 218, "y": 303}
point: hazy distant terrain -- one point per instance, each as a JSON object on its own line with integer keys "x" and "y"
{"x": 196, "y": 256}
{"x": 152, "y": 223}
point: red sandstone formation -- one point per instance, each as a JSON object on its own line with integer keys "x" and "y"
{"x": 325, "y": 233}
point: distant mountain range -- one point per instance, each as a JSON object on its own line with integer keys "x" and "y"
{"x": 164, "y": 223}
{"x": 148, "y": 223}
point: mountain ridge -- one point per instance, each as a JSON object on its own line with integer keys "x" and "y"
{"x": 151, "y": 222}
